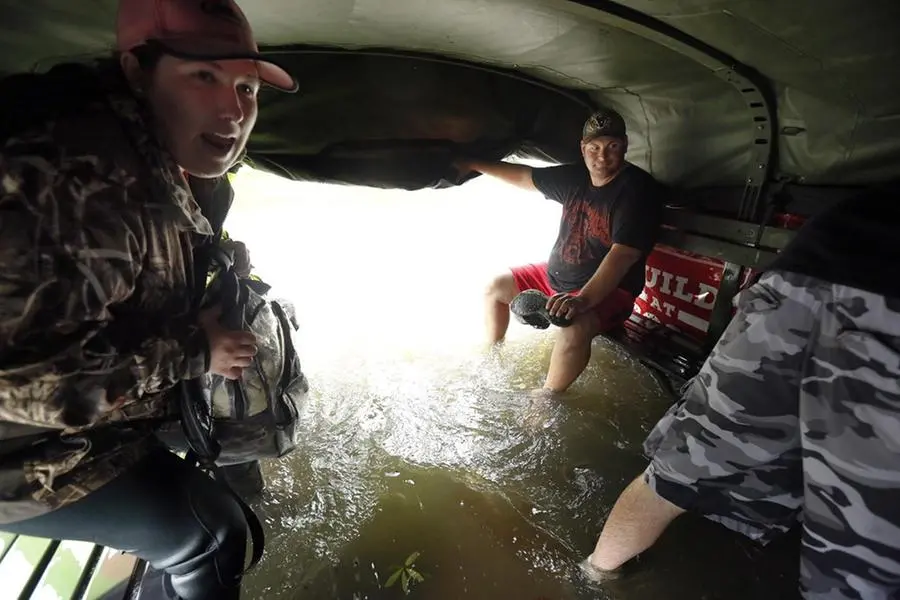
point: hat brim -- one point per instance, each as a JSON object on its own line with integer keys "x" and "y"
{"x": 614, "y": 135}
{"x": 270, "y": 72}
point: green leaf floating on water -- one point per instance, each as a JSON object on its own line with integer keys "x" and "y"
{"x": 415, "y": 575}
{"x": 405, "y": 573}
{"x": 393, "y": 578}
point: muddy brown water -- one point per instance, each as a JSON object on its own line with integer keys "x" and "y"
{"x": 415, "y": 440}
{"x": 501, "y": 496}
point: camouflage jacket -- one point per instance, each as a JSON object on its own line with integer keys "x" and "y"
{"x": 97, "y": 228}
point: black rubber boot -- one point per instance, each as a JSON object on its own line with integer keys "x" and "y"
{"x": 154, "y": 585}
{"x": 530, "y": 308}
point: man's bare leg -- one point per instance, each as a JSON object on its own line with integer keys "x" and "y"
{"x": 497, "y": 298}
{"x": 635, "y": 523}
{"x": 571, "y": 352}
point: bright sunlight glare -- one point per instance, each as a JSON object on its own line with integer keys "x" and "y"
{"x": 388, "y": 271}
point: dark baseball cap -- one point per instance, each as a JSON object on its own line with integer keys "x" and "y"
{"x": 604, "y": 122}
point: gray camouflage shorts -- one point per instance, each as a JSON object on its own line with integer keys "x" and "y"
{"x": 796, "y": 416}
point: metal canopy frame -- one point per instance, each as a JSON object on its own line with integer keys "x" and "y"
{"x": 755, "y": 89}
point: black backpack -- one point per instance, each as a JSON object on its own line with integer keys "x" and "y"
{"x": 221, "y": 424}
{"x": 228, "y": 422}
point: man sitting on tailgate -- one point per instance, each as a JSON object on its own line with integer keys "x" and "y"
{"x": 611, "y": 214}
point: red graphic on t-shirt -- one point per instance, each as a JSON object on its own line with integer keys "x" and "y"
{"x": 584, "y": 223}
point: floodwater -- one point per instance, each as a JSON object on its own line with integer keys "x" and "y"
{"x": 418, "y": 445}
{"x": 499, "y": 494}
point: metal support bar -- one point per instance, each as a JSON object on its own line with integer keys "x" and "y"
{"x": 746, "y": 256}
{"x": 776, "y": 237}
{"x": 730, "y": 240}
{"x": 732, "y": 230}
{"x": 89, "y": 568}
{"x": 7, "y": 540}
{"x": 755, "y": 89}
{"x": 739, "y": 232}
{"x": 136, "y": 579}
{"x": 722, "y": 310}
{"x": 763, "y": 145}
{"x": 39, "y": 570}
{"x": 110, "y": 572}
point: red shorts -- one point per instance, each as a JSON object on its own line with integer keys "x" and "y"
{"x": 613, "y": 311}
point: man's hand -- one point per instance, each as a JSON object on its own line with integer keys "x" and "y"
{"x": 230, "y": 351}
{"x": 463, "y": 166}
{"x": 567, "y": 306}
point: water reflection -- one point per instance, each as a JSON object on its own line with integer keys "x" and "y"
{"x": 501, "y": 493}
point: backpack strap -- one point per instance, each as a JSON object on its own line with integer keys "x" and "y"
{"x": 289, "y": 349}
{"x": 194, "y": 412}
{"x": 197, "y": 420}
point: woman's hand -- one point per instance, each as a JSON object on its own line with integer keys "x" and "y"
{"x": 230, "y": 351}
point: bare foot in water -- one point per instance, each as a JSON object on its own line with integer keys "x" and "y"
{"x": 543, "y": 409}
{"x": 597, "y": 575}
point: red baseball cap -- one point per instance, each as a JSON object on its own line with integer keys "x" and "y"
{"x": 196, "y": 30}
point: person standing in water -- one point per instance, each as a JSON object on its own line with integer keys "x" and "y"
{"x": 794, "y": 416}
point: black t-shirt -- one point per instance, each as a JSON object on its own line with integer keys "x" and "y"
{"x": 854, "y": 243}
{"x": 627, "y": 211}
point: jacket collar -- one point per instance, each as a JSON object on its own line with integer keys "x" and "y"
{"x": 170, "y": 191}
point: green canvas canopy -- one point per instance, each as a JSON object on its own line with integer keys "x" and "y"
{"x": 715, "y": 92}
